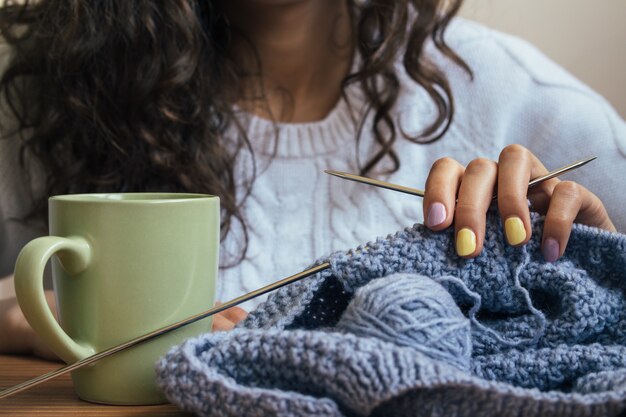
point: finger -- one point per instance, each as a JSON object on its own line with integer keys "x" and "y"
{"x": 564, "y": 207}
{"x": 473, "y": 202}
{"x": 221, "y": 323}
{"x": 592, "y": 211}
{"x": 515, "y": 169}
{"x": 541, "y": 194}
{"x": 440, "y": 194}
{"x": 235, "y": 314}
{"x": 570, "y": 203}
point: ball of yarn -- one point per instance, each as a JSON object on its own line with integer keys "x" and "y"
{"x": 414, "y": 311}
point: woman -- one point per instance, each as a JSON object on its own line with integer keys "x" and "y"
{"x": 252, "y": 100}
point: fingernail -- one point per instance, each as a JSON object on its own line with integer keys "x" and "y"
{"x": 550, "y": 249}
{"x": 436, "y": 215}
{"x": 515, "y": 231}
{"x": 465, "y": 242}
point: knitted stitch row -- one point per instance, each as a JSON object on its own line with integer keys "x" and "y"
{"x": 546, "y": 339}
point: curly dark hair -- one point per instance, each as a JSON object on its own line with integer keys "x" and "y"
{"x": 119, "y": 95}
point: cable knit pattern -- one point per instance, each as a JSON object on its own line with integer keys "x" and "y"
{"x": 547, "y": 339}
{"x": 296, "y": 213}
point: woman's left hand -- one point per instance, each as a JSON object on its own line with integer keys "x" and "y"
{"x": 466, "y": 192}
{"x": 227, "y": 319}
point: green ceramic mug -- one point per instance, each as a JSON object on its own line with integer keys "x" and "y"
{"x": 125, "y": 264}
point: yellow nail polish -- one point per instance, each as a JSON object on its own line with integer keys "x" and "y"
{"x": 465, "y": 242}
{"x": 515, "y": 231}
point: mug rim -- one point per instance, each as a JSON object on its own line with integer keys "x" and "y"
{"x": 132, "y": 198}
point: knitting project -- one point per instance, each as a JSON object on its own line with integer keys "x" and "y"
{"x": 375, "y": 335}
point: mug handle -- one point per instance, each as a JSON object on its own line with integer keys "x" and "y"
{"x": 74, "y": 253}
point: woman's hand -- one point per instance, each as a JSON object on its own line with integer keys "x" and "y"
{"x": 17, "y": 337}
{"x": 463, "y": 194}
{"x": 227, "y": 319}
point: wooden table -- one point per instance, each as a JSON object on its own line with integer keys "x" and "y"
{"x": 57, "y": 397}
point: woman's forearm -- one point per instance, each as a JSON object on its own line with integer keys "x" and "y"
{"x": 7, "y": 287}
{"x": 11, "y": 335}
{"x": 16, "y": 335}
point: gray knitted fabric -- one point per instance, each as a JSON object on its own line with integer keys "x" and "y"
{"x": 546, "y": 339}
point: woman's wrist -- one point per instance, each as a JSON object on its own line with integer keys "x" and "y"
{"x": 7, "y": 287}
{"x": 13, "y": 326}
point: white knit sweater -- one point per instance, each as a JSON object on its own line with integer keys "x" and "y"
{"x": 296, "y": 213}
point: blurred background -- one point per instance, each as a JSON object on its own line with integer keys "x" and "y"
{"x": 586, "y": 37}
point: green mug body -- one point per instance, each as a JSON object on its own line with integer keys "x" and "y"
{"x": 126, "y": 264}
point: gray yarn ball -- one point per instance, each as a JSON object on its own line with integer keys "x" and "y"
{"x": 414, "y": 311}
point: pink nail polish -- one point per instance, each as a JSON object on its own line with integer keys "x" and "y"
{"x": 550, "y": 250}
{"x": 436, "y": 215}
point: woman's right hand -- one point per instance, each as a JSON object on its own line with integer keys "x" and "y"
{"x": 16, "y": 335}
{"x": 462, "y": 195}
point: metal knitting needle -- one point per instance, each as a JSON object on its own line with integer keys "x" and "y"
{"x": 149, "y": 336}
{"x": 420, "y": 193}
{"x": 236, "y": 301}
